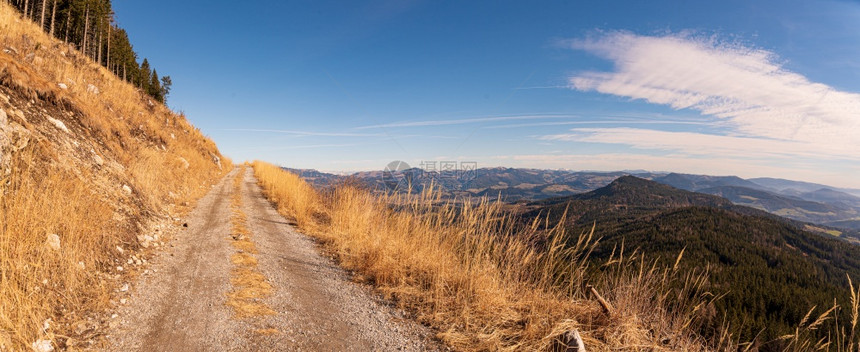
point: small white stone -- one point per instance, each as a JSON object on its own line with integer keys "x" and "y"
{"x": 62, "y": 86}
{"x": 126, "y": 189}
{"x": 53, "y": 241}
{"x": 120, "y": 250}
{"x": 122, "y": 300}
{"x": 81, "y": 265}
{"x": 119, "y": 268}
{"x": 42, "y": 346}
{"x": 59, "y": 124}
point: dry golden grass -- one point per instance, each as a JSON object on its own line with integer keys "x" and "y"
{"x": 249, "y": 284}
{"x": 55, "y": 187}
{"x": 36, "y": 281}
{"x": 486, "y": 282}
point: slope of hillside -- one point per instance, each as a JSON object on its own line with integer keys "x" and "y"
{"x": 828, "y": 195}
{"x": 697, "y": 182}
{"x": 802, "y": 201}
{"x": 770, "y": 271}
{"x": 797, "y": 209}
{"x": 91, "y": 170}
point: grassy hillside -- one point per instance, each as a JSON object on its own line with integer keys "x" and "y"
{"x": 88, "y": 164}
{"x": 769, "y": 272}
{"x": 484, "y": 282}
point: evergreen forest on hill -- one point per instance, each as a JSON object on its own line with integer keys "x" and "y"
{"x": 90, "y": 26}
{"x": 768, "y": 271}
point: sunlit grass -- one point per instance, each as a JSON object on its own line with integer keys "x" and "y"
{"x": 162, "y": 158}
{"x": 484, "y": 281}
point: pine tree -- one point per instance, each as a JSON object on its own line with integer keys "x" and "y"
{"x": 155, "y": 87}
{"x": 89, "y": 24}
{"x": 166, "y": 83}
{"x": 144, "y": 76}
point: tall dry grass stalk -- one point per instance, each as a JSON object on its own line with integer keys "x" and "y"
{"x": 484, "y": 281}
{"x": 839, "y": 336}
{"x": 62, "y": 218}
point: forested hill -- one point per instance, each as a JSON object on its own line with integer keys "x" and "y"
{"x": 90, "y": 26}
{"x": 770, "y": 270}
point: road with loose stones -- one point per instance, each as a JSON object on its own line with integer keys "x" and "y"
{"x": 178, "y": 303}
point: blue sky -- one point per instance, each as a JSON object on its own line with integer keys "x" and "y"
{"x": 748, "y": 88}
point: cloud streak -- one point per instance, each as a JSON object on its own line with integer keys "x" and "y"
{"x": 747, "y": 87}
{"x": 701, "y": 144}
{"x": 307, "y": 133}
{"x": 468, "y": 121}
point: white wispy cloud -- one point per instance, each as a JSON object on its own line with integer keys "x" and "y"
{"x": 694, "y": 143}
{"x": 602, "y": 122}
{"x": 468, "y": 121}
{"x": 307, "y": 133}
{"x": 748, "y": 87}
{"x": 306, "y": 146}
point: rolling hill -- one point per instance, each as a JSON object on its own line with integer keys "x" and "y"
{"x": 793, "y": 208}
{"x": 770, "y": 270}
{"x": 802, "y": 201}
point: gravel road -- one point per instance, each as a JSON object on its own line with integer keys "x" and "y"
{"x": 179, "y": 305}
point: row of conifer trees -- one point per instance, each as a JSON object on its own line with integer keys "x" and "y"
{"x": 90, "y": 26}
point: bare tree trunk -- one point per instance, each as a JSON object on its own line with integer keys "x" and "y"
{"x": 26, "y": 4}
{"x": 101, "y": 37}
{"x": 86, "y": 28}
{"x": 108, "y": 44}
{"x": 68, "y": 20}
{"x": 42, "y": 20}
{"x": 53, "y": 16}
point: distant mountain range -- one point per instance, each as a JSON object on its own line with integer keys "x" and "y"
{"x": 796, "y": 200}
{"x": 802, "y": 201}
{"x": 772, "y": 270}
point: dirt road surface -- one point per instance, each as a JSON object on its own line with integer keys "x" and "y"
{"x": 179, "y": 305}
